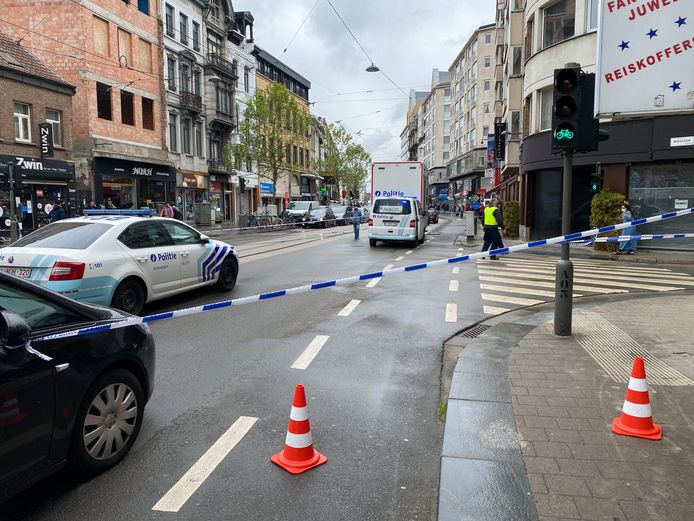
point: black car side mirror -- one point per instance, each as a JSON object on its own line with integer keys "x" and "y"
{"x": 14, "y": 331}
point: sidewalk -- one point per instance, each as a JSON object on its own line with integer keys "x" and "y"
{"x": 528, "y": 433}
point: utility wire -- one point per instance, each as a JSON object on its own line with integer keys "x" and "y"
{"x": 30, "y": 29}
{"x": 299, "y": 29}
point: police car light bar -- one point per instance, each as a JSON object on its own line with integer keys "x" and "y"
{"x": 144, "y": 212}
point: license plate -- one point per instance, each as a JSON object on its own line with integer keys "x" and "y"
{"x": 391, "y": 223}
{"x": 22, "y": 273}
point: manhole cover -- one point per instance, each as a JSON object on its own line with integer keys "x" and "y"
{"x": 475, "y": 331}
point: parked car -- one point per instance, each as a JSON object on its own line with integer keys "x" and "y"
{"x": 121, "y": 261}
{"x": 300, "y": 211}
{"x": 364, "y": 214}
{"x": 84, "y": 407}
{"x": 322, "y": 216}
{"x": 342, "y": 213}
{"x": 433, "y": 215}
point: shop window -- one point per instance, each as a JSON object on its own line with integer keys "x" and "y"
{"x": 557, "y": 22}
{"x": 144, "y": 55}
{"x": 144, "y": 235}
{"x": 173, "y": 132}
{"x": 125, "y": 48}
{"x": 196, "y": 36}
{"x": 170, "y": 29}
{"x": 103, "y": 101}
{"x": 186, "y": 129}
{"x": 22, "y": 122}
{"x": 53, "y": 119}
{"x": 100, "y": 34}
{"x": 183, "y": 28}
{"x": 127, "y": 108}
{"x": 148, "y": 113}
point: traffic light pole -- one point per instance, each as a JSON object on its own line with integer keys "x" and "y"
{"x": 13, "y": 203}
{"x": 563, "y": 290}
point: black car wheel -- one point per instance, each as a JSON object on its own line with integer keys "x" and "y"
{"x": 107, "y": 423}
{"x": 129, "y": 297}
{"x": 227, "y": 275}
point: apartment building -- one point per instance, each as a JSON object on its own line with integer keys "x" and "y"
{"x": 409, "y": 137}
{"x": 472, "y": 113}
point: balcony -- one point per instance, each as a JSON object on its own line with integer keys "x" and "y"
{"x": 215, "y": 63}
{"x": 191, "y": 101}
{"x": 216, "y": 166}
{"x": 222, "y": 119}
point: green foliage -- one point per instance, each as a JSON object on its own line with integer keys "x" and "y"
{"x": 605, "y": 209}
{"x": 441, "y": 413}
{"x": 346, "y": 161}
{"x": 272, "y": 125}
{"x": 511, "y": 215}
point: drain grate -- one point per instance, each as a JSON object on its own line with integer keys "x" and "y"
{"x": 475, "y": 331}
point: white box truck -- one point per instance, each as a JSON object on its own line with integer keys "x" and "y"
{"x": 398, "y": 210}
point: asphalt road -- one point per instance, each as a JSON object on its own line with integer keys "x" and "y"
{"x": 372, "y": 391}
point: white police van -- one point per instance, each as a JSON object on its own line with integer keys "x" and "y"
{"x": 397, "y": 219}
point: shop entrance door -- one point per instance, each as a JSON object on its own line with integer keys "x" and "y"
{"x": 228, "y": 205}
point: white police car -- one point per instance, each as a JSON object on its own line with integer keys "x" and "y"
{"x": 121, "y": 261}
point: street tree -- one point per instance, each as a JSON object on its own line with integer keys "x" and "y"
{"x": 273, "y": 124}
{"x": 346, "y": 161}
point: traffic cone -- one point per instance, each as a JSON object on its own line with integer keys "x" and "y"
{"x": 298, "y": 454}
{"x": 636, "y": 419}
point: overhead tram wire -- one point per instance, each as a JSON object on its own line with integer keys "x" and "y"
{"x": 51, "y": 12}
{"x": 300, "y": 26}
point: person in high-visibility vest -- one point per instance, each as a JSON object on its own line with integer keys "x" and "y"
{"x": 493, "y": 221}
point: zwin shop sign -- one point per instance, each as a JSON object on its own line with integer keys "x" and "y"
{"x": 46, "y": 137}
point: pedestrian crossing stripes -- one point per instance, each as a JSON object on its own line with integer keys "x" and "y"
{"x": 513, "y": 282}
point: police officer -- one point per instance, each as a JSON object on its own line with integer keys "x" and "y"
{"x": 493, "y": 222}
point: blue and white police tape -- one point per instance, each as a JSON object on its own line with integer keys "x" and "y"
{"x": 626, "y": 238}
{"x": 356, "y": 278}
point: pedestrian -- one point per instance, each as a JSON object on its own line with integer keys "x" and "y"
{"x": 109, "y": 204}
{"x": 627, "y": 246}
{"x": 93, "y": 206}
{"x": 356, "y": 221}
{"x": 493, "y": 222}
{"x": 167, "y": 210}
{"x": 57, "y": 212}
{"x": 177, "y": 213}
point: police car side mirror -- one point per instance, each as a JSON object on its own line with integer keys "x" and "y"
{"x": 14, "y": 331}
{"x": 204, "y": 239}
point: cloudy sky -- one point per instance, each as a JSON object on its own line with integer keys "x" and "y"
{"x": 405, "y": 38}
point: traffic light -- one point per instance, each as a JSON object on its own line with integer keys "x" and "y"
{"x": 351, "y": 195}
{"x": 596, "y": 182}
{"x": 565, "y": 109}
{"x": 242, "y": 184}
{"x": 468, "y": 197}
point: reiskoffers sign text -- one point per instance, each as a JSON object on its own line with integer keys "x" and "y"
{"x": 645, "y": 57}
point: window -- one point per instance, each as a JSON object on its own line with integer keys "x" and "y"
{"x": 148, "y": 113}
{"x": 473, "y": 49}
{"x": 295, "y": 155}
{"x": 529, "y": 38}
{"x": 593, "y": 8}
{"x": 125, "y": 48}
{"x": 235, "y": 68}
{"x": 485, "y": 130}
{"x": 186, "y": 125}
{"x": 173, "y": 130}
{"x": 487, "y": 84}
{"x": 518, "y": 4}
{"x": 301, "y": 156}
{"x": 473, "y": 116}
{"x": 214, "y": 44}
{"x": 195, "y": 81}
{"x": 144, "y": 55}
{"x": 516, "y": 60}
{"x": 196, "y": 36}
{"x": 53, "y": 119}
{"x": 246, "y": 79}
{"x": 545, "y": 116}
{"x": 171, "y": 73}
{"x": 558, "y": 23}
{"x": 103, "y": 101}
{"x": 145, "y": 235}
{"x": 392, "y": 206}
{"x": 65, "y": 235}
{"x": 488, "y": 38}
{"x": 198, "y": 140}
{"x": 485, "y": 108}
{"x": 143, "y": 6}
{"x": 487, "y": 61}
{"x": 514, "y": 124}
{"x": 473, "y": 93}
{"x": 127, "y": 109}
{"x": 183, "y": 28}
{"x": 223, "y": 98}
{"x": 170, "y": 30}
{"x": 100, "y": 34}
{"x": 181, "y": 234}
{"x": 22, "y": 122}
{"x": 185, "y": 77}
{"x": 38, "y": 312}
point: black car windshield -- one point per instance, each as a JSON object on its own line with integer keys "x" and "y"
{"x": 318, "y": 212}
{"x": 392, "y": 206}
{"x": 300, "y": 205}
{"x": 65, "y": 235}
{"x": 36, "y": 311}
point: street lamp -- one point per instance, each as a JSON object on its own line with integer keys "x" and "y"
{"x": 372, "y": 68}
{"x": 214, "y": 79}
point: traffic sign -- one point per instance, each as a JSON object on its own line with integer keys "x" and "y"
{"x": 476, "y": 205}
{"x": 476, "y": 198}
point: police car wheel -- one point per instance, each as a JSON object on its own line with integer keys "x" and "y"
{"x": 227, "y": 276}
{"x": 129, "y": 297}
{"x": 372, "y": 242}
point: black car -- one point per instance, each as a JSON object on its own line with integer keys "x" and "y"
{"x": 322, "y": 216}
{"x": 433, "y": 215}
{"x": 76, "y": 401}
{"x": 342, "y": 214}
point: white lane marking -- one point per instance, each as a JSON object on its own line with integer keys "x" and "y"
{"x": 347, "y": 310}
{"x": 387, "y": 267}
{"x": 461, "y": 249}
{"x": 540, "y": 284}
{"x": 310, "y": 352}
{"x": 400, "y": 258}
{"x": 451, "y": 312}
{"x": 511, "y": 300}
{"x": 409, "y": 252}
{"x": 458, "y": 254}
{"x": 456, "y": 270}
{"x": 593, "y": 265}
{"x": 521, "y": 291}
{"x": 626, "y": 270}
{"x": 428, "y": 240}
{"x": 177, "y": 495}
{"x": 453, "y": 285}
{"x": 493, "y": 310}
{"x": 373, "y": 282}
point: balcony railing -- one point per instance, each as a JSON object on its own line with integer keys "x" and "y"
{"x": 223, "y": 118}
{"x": 216, "y": 166}
{"x": 191, "y": 101}
{"x": 222, "y": 65}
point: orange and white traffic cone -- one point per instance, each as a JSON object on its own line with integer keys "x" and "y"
{"x": 298, "y": 454}
{"x": 637, "y": 419}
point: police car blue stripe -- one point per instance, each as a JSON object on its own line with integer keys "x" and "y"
{"x": 218, "y": 257}
{"x": 207, "y": 261}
